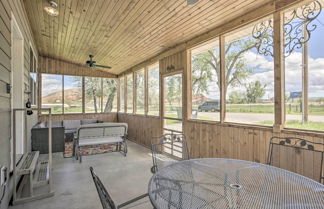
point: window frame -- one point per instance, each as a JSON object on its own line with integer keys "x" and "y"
{"x": 135, "y": 91}
{"x": 153, "y": 66}
{"x": 129, "y": 75}
{"x": 83, "y": 87}
{"x": 190, "y": 93}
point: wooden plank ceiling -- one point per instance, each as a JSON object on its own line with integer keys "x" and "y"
{"x": 123, "y": 33}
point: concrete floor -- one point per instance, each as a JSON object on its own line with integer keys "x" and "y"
{"x": 124, "y": 178}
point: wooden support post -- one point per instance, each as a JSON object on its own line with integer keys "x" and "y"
{"x": 279, "y": 72}
{"x": 125, "y": 94}
{"x": 187, "y": 86}
{"x": 161, "y": 95}
{"x": 62, "y": 94}
{"x": 134, "y": 92}
{"x": 222, "y": 79}
{"x": 118, "y": 94}
{"x": 83, "y": 94}
{"x": 39, "y": 94}
{"x": 146, "y": 108}
{"x": 305, "y": 78}
{"x": 101, "y": 99}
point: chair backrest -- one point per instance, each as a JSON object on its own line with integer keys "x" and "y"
{"x": 99, "y": 130}
{"x": 170, "y": 148}
{"x": 291, "y": 153}
{"x": 106, "y": 201}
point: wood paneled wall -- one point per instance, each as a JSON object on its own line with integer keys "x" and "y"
{"x": 211, "y": 140}
{"x": 141, "y": 129}
{"x": 173, "y": 63}
{"x": 7, "y": 9}
{"x": 208, "y": 140}
{"x": 106, "y": 117}
{"x": 55, "y": 66}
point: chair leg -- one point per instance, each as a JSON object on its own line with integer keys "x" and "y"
{"x": 125, "y": 148}
{"x": 76, "y": 153}
{"x": 80, "y": 155}
{"x": 132, "y": 200}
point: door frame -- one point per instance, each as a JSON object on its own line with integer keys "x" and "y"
{"x": 17, "y": 84}
{"x": 163, "y": 76}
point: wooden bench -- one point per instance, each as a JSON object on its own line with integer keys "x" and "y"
{"x": 99, "y": 134}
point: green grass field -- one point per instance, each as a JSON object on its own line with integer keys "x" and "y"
{"x": 318, "y": 126}
{"x": 290, "y": 109}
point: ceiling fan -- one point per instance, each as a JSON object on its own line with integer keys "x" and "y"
{"x": 92, "y": 64}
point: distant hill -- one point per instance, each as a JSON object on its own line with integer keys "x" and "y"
{"x": 69, "y": 94}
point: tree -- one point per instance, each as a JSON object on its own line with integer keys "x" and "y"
{"x": 154, "y": 91}
{"x": 95, "y": 92}
{"x": 92, "y": 90}
{"x": 173, "y": 90}
{"x": 236, "y": 70}
{"x": 237, "y": 98}
{"x": 110, "y": 87}
{"x": 255, "y": 91}
{"x": 140, "y": 91}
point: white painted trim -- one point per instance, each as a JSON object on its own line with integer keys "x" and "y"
{"x": 35, "y": 55}
{"x": 16, "y": 34}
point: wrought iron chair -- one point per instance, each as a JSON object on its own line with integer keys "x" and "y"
{"x": 286, "y": 146}
{"x": 105, "y": 199}
{"x": 169, "y": 149}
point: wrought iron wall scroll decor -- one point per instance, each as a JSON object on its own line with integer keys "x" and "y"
{"x": 263, "y": 33}
{"x": 296, "y": 23}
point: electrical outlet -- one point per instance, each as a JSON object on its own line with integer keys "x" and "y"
{"x": 3, "y": 175}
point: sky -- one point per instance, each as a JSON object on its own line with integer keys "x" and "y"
{"x": 263, "y": 68}
{"x": 53, "y": 83}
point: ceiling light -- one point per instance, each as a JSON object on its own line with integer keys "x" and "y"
{"x": 191, "y": 2}
{"x": 52, "y": 8}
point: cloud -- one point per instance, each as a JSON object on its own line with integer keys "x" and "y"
{"x": 263, "y": 71}
{"x": 294, "y": 78}
{"x": 51, "y": 84}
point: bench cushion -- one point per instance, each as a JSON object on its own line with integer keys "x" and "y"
{"x": 95, "y": 141}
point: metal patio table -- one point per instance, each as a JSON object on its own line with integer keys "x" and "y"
{"x": 228, "y": 183}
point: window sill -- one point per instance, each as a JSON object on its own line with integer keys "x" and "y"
{"x": 303, "y": 132}
{"x": 80, "y": 113}
{"x": 139, "y": 115}
{"x": 231, "y": 124}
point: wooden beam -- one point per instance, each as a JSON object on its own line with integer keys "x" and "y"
{"x": 118, "y": 95}
{"x": 134, "y": 93}
{"x": 279, "y": 72}
{"x": 161, "y": 97}
{"x": 83, "y": 95}
{"x": 187, "y": 86}
{"x": 125, "y": 93}
{"x": 222, "y": 79}
{"x": 146, "y": 91}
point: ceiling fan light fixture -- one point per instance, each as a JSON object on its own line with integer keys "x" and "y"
{"x": 190, "y": 2}
{"x": 52, "y": 8}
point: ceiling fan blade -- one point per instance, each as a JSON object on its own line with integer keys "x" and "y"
{"x": 103, "y": 66}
